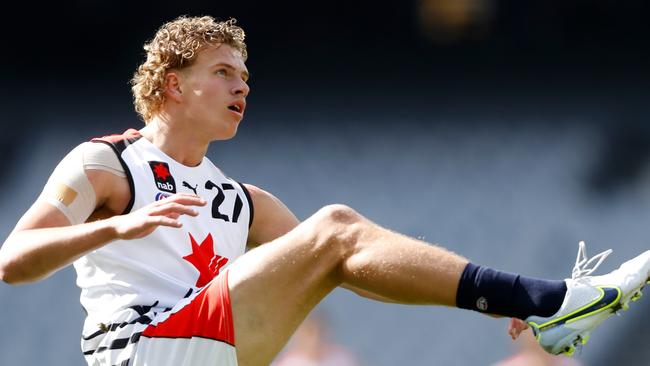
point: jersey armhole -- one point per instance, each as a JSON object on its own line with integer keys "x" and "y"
{"x": 250, "y": 203}
{"x": 127, "y": 172}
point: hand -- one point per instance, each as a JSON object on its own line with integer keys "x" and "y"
{"x": 515, "y": 327}
{"x": 165, "y": 212}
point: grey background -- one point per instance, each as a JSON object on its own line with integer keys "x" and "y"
{"x": 508, "y": 147}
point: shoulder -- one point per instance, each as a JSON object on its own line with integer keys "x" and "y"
{"x": 256, "y": 192}
{"x": 87, "y": 156}
{"x": 98, "y": 156}
{"x": 129, "y": 135}
{"x": 260, "y": 198}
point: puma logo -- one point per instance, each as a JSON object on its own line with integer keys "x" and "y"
{"x": 187, "y": 185}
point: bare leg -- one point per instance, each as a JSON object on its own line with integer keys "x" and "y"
{"x": 275, "y": 286}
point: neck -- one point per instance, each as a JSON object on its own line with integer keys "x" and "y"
{"x": 176, "y": 140}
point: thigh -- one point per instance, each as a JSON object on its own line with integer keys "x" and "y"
{"x": 275, "y": 286}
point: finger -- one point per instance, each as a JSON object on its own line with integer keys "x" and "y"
{"x": 165, "y": 221}
{"x": 514, "y": 333}
{"x": 522, "y": 325}
{"x": 187, "y": 199}
{"x": 518, "y": 323}
{"x": 516, "y": 327}
{"x": 182, "y": 198}
{"x": 173, "y": 208}
{"x": 512, "y": 328}
{"x": 517, "y": 333}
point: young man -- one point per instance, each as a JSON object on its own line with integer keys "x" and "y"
{"x": 157, "y": 236}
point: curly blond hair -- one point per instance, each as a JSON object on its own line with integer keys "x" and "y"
{"x": 176, "y": 45}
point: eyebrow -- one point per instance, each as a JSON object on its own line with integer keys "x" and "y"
{"x": 245, "y": 73}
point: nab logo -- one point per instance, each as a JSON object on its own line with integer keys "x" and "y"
{"x": 163, "y": 178}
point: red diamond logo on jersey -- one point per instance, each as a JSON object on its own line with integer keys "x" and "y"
{"x": 162, "y": 176}
{"x": 205, "y": 260}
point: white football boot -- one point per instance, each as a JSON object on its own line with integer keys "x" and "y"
{"x": 590, "y": 300}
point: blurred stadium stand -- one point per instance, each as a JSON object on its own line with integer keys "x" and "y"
{"x": 508, "y": 145}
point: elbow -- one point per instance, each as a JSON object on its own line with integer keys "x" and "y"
{"x": 19, "y": 268}
{"x": 13, "y": 269}
{"x": 11, "y": 275}
{"x": 8, "y": 277}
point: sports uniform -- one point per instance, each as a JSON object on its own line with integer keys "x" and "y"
{"x": 157, "y": 293}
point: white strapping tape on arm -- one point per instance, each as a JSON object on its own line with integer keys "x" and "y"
{"x": 69, "y": 189}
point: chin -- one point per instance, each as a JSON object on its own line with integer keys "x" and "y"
{"x": 226, "y": 135}
{"x": 225, "y": 130}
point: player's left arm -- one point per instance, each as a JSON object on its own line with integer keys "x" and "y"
{"x": 273, "y": 219}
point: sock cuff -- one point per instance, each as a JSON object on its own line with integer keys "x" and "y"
{"x": 464, "y": 293}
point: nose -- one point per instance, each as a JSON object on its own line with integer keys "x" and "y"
{"x": 241, "y": 88}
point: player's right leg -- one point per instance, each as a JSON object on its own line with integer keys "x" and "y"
{"x": 276, "y": 285}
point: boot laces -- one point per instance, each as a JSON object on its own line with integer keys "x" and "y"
{"x": 584, "y": 266}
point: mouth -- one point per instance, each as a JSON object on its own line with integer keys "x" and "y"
{"x": 238, "y": 107}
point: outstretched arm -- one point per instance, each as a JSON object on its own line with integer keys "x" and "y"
{"x": 43, "y": 241}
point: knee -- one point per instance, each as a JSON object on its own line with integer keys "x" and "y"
{"x": 339, "y": 226}
{"x": 338, "y": 214}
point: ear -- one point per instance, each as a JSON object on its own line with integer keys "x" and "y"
{"x": 173, "y": 90}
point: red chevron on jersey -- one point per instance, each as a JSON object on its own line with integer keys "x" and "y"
{"x": 208, "y": 315}
{"x": 205, "y": 260}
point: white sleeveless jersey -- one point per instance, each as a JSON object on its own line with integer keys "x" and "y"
{"x": 157, "y": 271}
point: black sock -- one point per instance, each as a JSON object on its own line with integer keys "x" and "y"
{"x": 487, "y": 290}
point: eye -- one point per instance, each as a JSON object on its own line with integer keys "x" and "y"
{"x": 222, "y": 72}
